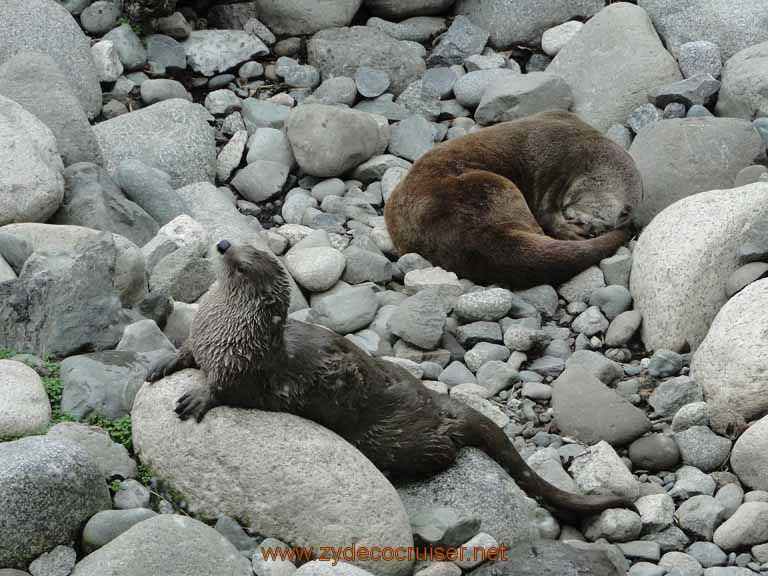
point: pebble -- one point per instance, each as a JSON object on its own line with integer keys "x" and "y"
{"x": 371, "y": 82}
{"x": 702, "y": 448}
{"x": 107, "y": 62}
{"x": 131, "y": 494}
{"x": 700, "y": 57}
{"x": 590, "y": 322}
{"x": 316, "y": 269}
{"x": 655, "y": 453}
{"x": 700, "y": 516}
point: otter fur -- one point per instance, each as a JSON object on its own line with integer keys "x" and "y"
{"x": 254, "y": 357}
{"x": 527, "y": 202}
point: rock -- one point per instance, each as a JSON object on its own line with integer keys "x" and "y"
{"x": 399, "y": 11}
{"x": 514, "y": 22}
{"x": 673, "y": 394}
{"x": 475, "y": 486}
{"x": 747, "y": 527}
{"x": 295, "y": 516}
{"x": 59, "y": 561}
{"x": 105, "y": 526}
{"x": 261, "y": 180}
{"x": 144, "y": 336}
{"x": 151, "y": 189}
{"x": 341, "y": 51}
{"x": 680, "y": 271}
{"x": 46, "y": 27}
{"x": 699, "y": 516}
{"x": 411, "y": 138}
{"x": 348, "y": 310}
{"x": 33, "y": 188}
{"x": 111, "y": 458}
{"x": 691, "y": 482}
{"x": 312, "y": 127}
{"x": 615, "y": 525}
{"x": 523, "y": 95}
{"x": 420, "y": 319}
{"x": 744, "y": 276}
{"x": 154, "y": 91}
{"x": 707, "y": 554}
{"x": 698, "y": 89}
{"x": 371, "y": 82}
{"x": 612, "y": 300}
{"x": 601, "y": 471}
{"x": 671, "y": 172}
{"x": 106, "y": 61}
{"x": 366, "y": 266}
{"x": 316, "y": 269}
{"x": 607, "y": 371}
{"x": 462, "y": 40}
{"x": 580, "y": 287}
{"x": 656, "y": 452}
{"x": 733, "y": 26}
{"x": 699, "y": 57}
{"x": 553, "y": 40}
{"x": 702, "y": 448}
{"x": 656, "y": 511}
{"x": 166, "y": 52}
{"x": 34, "y": 80}
{"x": 130, "y": 50}
{"x": 488, "y": 305}
{"x": 63, "y": 303}
{"x": 623, "y": 328}
{"x": 590, "y": 322}
{"x": 212, "y": 51}
{"x": 49, "y": 488}
{"x": 612, "y": 63}
{"x": 744, "y": 84}
{"x": 93, "y": 199}
{"x": 665, "y": 363}
{"x": 300, "y": 17}
{"x": 24, "y": 409}
{"x": 153, "y": 135}
{"x": 643, "y": 117}
{"x": 748, "y": 459}
{"x": 588, "y": 410}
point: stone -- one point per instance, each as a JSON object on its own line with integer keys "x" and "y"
{"x": 601, "y": 471}
{"x": 580, "y": 287}
{"x": 153, "y": 91}
{"x": 411, "y": 138}
{"x": 58, "y": 562}
{"x": 590, "y": 322}
{"x": 589, "y": 411}
{"x": 680, "y": 270}
{"x": 698, "y": 89}
{"x": 49, "y": 488}
{"x": 47, "y": 27}
{"x": 665, "y": 363}
{"x": 316, "y": 269}
{"x": 644, "y": 116}
{"x": 416, "y": 29}
{"x": 311, "y": 129}
{"x": 656, "y": 511}
{"x": 690, "y": 482}
{"x": 655, "y": 453}
{"x": 371, "y": 82}
{"x": 748, "y": 459}
{"x": 462, "y": 40}
{"x": 673, "y": 394}
{"x": 395, "y": 10}
{"x": 702, "y": 448}
{"x": 700, "y": 516}
{"x": 615, "y": 525}
{"x": 680, "y": 563}
{"x": 341, "y": 51}
{"x": 348, "y": 310}
{"x": 270, "y": 144}
{"x": 34, "y": 188}
{"x": 671, "y": 172}
{"x": 551, "y": 558}
{"x": 314, "y": 512}
{"x": 173, "y": 136}
{"x": 105, "y": 526}
{"x": 300, "y": 17}
{"x": 612, "y": 300}
{"x": 25, "y": 409}
{"x": 106, "y": 61}
{"x": 488, "y": 305}
{"x": 212, "y": 51}
{"x": 607, "y": 371}
{"x": 111, "y": 458}
{"x": 553, "y": 40}
{"x": 612, "y": 63}
{"x": 261, "y": 180}
{"x": 470, "y": 88}
{"x": 700, "y": 57}
{"x": 733, "y": 26}
{"x": 175, "y": 25}
{"x": 151, "y": 189}
{"x": 130, "y": 50}
{"x": 523, "y": 95}
{"x": 420, "y": 319}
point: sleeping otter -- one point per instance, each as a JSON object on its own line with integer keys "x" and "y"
{"x": 253, "y": 357}
{"x": 517, "y": 203}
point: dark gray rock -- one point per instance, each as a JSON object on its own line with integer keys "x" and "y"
{"x": 15, "y": 250}
{"x": 655, "y": 453}
{"x": 92, "y": 199}
{"x": 398, "y": 10}
{"x": 151, "y": 189}
{"x": 35, "y": 81}
{"x": 462, "y": 40}
{"x": 665, "y": 363}
{"x": 699, "y": 89}
{"x": 673, "y": 394}
{"x": 47, "y": 27}
{"x": 49, "y": 488}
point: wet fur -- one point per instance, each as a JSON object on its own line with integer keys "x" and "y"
{"x": 253, "y": 357}
{"x": 532, "y": 201}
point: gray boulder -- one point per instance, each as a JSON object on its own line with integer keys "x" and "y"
{"x": 731, "y": 24}
{"x": 93, "y": 200}
{"x": 612, "y": 64}
{"x": 35, "y": 81}
{"x": 716, "y": 150}
{"x": 749, "y": 459}
{"x": 341, "y": 51}
{"x": 48, "y": 488}
{"x": 523, "y": 95}
{"x": 31, "y": 184}
{"x": 150, "y": 188}
{"x": 731, "y": 362}
{"x": 111, "y": 458}
{"x": 328, "y": 141}
{"x": 64, "y": 303}
{"x": 520, "y": 22}
{"x": 684, "y": 258}
{"x": 744, "y": 91}
{"x": 173, "y": 136}
{"x": 170, "y": 544}
{"x": 399, "y": 10}
{"x": 218, "y": 466}
{"x": 46, "y": 26}
{"x": 289, "y": 17}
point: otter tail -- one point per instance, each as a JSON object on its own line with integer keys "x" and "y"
{"x": 480, "y": 432}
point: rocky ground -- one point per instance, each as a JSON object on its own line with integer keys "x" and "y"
{"x": 137, "y": 133}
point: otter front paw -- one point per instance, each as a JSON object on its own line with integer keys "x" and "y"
{"x": 161, "y": 368}
{"x": 194, "y": 404}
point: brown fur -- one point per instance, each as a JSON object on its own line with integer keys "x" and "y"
{"x": 518, "y": 202}
{"x": 253, "y": 357}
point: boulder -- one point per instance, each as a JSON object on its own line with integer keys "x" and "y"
{"x": 744, "y": 89}
{"x": 35, "y": 81}
{"x": 31, "y": 183}
{"x": 328, "y": 141}
{"x": 399, "y": 10}
{"x": 46, "y": 26}
{"x": 169, "y": 544}
{"x": 173, "y": 136}
{"x": 749, "y": 459}
{"x": 523, "y": 95}
{"x": 112, "y": 458}
{"x": 612, "y": 64}
{"x": 684, "y": 258}
{"x": 49, "y": 488}
{"x": 716, "y": 150}
{"x": 24, "y": 405}
{"x": 234, "y": 463}
{"x": 731, "y": 24}
{"x": 731, "y": 362}
{"x": 300, "y": 17}
{"x": 521, "y": 22}
{"x": 341, "y": 51}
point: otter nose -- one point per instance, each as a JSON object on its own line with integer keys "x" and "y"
{"x": 223, "y": 246}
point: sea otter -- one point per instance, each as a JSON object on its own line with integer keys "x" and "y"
{"x": 254, "y": 357}
{"x": 517, "y": 203}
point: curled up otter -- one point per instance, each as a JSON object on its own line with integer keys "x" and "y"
{"x": 253, "y": 356}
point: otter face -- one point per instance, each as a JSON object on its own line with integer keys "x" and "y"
{"x": 594, "y": 205}
{"x": 247, "y": 267}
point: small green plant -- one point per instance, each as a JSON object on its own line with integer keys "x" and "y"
{"x": 137, "y": 27}
{"x": 116, "y": 486}
{"x": 144, "y": 474}
{"x": 119, "y": 430}
{"x": 6, "y": 354}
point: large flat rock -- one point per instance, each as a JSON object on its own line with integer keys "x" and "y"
{"x": 684, "y": 257}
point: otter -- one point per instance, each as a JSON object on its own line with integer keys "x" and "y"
{"x": 253, "y": 356}
{"x": 527, "y": 202}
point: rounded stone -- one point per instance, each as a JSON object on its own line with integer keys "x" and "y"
{"x": 316, "y": 269}
{"x": 655, "y": 453}
{"x": 24, "y": 405}
{"x": 371, "y": 82}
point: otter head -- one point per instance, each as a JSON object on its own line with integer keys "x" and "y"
{"x": 599, "y": 203}
{"x": 252, "y": 272}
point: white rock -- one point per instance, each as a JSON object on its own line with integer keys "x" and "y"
{"x": 316, "y": 269}
{"x": 601, "y": 471}
{"x": 231, "y": 155}
{"x": 24, "y": 406}
{"x": 749, "y": 458}
{"x": 107, "y": 62}
{"x": 553, "y": 40}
